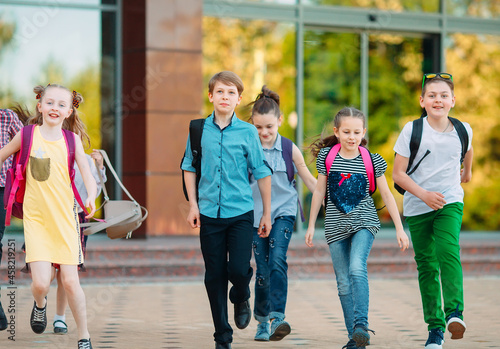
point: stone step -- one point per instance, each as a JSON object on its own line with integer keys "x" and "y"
{"x": 179, "y": 258}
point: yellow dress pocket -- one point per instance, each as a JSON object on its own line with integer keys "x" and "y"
{"x": 40, "y": 168}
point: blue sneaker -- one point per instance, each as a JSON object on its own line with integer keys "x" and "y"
{"x": 279, "y": 329}
{"x": 262, "y": 334}
{"x": 456, "y": 325}
{"x": 435, "y": 340}
{"x": 361, "y": 336}
{"x": 350, "y": 345}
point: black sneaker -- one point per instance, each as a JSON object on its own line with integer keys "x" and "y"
{"x": 242, "y": 314}
{"x": 38, "y": 318}
{"x": 456, "y": 325}
{"x": 435, "y": 340}
{"x": 84, "y": 344}
{"x": 361, "y": 336}
{"x": 3, "y": 319}
{"x": 62, "y": 328}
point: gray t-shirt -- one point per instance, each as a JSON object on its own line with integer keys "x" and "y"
{"x": 283, "y": 194}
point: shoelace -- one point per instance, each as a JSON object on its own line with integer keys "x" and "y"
{"x": 84, "y": 345}
{"x": 435, "y": 336}
{"x": 39, "y": 315}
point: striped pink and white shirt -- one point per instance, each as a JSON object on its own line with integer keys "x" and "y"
{"x": 9, "y": 126}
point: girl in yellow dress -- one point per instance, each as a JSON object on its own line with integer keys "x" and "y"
{"x": 50, "y": 215}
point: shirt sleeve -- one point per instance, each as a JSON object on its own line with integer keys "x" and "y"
{"x": 380, "y": 164}
{"x": 256, "y": 159}
{"x": 187, "y": 160}
{"x": 402, "y": 146}
{"x": 320, "y": 161}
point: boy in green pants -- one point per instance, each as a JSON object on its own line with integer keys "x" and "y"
{"x": 433, "y": 206}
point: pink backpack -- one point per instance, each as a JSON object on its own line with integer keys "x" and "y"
{"x": 15, "y": 183}
{"x": 367, "y": 160}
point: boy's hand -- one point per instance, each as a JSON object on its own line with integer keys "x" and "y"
{"x": 97, "y": 156}
{"x": 193, "y": 217}
{"x": 434, "y": 200}
{"x": 90, "y": 205}
{"x": 465, "y": 176}
{"x": 264, "y": 226}
{"x": 403, "y": 240}
{"x": 309, "y": 237}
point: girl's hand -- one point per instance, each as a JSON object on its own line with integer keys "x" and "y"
{"x": 97, "y": 156}
{"x": 403, "y": 240}
{"x": 264, "y": 226}
{"x": 309, "y": 237}
{"x": 90, "y": 205}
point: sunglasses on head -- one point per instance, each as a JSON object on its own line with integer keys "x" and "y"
{"x": 434, "y": 75}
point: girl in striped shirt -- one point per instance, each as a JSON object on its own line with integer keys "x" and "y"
{"x": 351, "y": 220}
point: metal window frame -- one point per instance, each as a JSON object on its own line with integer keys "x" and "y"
{"x": 351, "y": 19}
{"x": 117, "y": 9}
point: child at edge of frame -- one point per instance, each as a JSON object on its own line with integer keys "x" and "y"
{"x": 351, "y": 220}
{"x": 10, "y": 125}
{"x": 433, "y": 206}
{"x": 224, "y": 209}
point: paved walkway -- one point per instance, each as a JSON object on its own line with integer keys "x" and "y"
{"x": 176, "y": 315}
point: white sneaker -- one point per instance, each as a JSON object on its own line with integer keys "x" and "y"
{"x": 435, "y": 340}
{"x": 457, "y": 327}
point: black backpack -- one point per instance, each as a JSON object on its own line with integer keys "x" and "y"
{"x": 416, "y": 138}
{"x": 195, "y": 133}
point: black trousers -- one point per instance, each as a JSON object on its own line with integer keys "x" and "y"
{"x": 226, "y": 245}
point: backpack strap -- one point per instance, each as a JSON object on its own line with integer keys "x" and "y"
{"x": 69, "y": 138}
{"x": 462, "y": 134}
{"x": 370, "y": 168}
{"x": 367, "y": 161}
{"x": 195, "y": 134}
{"x": 330, "y": 157}
{"x": 287, "y": 153}
{"x": 21, "y": 161}
{"x": 415, "y": 139}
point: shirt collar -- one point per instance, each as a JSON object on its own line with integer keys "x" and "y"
{"x": 277, "y": 144}
{"x": 234, "y": 119}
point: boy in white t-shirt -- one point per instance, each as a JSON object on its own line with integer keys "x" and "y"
{"x": 433, "y": 207}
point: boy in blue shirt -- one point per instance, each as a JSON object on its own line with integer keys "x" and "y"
{"x": 224, "y": 210}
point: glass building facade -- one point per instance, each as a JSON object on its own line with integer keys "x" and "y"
{"x": 142, "y": 67}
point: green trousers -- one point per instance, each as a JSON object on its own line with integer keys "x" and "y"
{"x": 435, "y": 237}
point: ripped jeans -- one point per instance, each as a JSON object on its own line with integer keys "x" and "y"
{"x": 271, "y": 279}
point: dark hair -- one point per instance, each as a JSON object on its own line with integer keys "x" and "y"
{"x": 266, "y": 102}
{"x": 449, "y": 82}
{"x": 22, "y": 113}
{"x": 73, "y": 123}
{"x": 228, "y": 78}
{"x": 330, "y": 141}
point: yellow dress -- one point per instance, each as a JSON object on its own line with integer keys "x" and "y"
{"x": 51, "y": 228}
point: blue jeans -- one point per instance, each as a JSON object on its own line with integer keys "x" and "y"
{"x": 271, "y": 279}
{"x": 349, "y": 258}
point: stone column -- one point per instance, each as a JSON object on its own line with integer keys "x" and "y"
{"x": 162, "y": 92}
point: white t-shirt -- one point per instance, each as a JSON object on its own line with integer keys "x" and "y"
{"x": 439, "y": 171}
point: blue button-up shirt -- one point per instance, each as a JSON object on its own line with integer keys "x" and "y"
{"x": 226, "y": 156}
